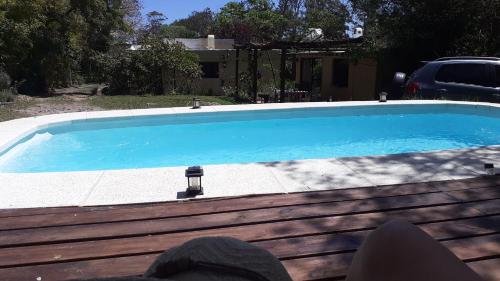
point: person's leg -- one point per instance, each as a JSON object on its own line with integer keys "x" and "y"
{"x": 400, "y": 251}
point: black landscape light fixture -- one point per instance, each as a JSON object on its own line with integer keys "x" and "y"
{"x": 193, "y": 175}
{"x": 196, "y": 103}
{"x": 490, "y": 169}
{"x": 383, "y": 97}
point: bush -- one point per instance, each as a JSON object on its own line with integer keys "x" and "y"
{"x": 4, "y": 80}
{"x": 6, "y": 95}
{"x": 157, "y": 66}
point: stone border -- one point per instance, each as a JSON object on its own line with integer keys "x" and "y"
{"x": 22, "y": 190}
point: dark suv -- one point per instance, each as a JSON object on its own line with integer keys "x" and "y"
{"x": 457, "y": 78}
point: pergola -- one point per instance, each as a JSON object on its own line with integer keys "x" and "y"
{"x": 287, "y": 47}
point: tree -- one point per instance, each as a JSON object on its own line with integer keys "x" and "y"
{"x": 198, "y": 22}
{"x": 404, "y": 32}
{"x": 155, "y": 22}
{"x": 426, "y": 29}
{"x": 144, "y": 71}
{"x": 262, "y": 20}
{"x": 177, "y": 31}
{"x": 131, "y": 9}
{"x": 46, "y": 44}
{"x": 155, "y": 65}
{"x": 292, "y": 11}
{"x": 249, "y": 21}
{"x": 329, "y": 15}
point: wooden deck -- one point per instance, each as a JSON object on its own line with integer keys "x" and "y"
{"x": 314, "y": 234}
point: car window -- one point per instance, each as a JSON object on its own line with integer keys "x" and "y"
{"x": 497, "y": 68}
{"x": 464, "y": 73}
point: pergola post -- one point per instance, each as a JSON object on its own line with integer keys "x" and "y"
{"x": 250, "y": 72}
{"x": 283, "y": 75}
{"x": 237, "y": 73}
{"x": 326, "y": 46}
{"x": 255, "y": 65}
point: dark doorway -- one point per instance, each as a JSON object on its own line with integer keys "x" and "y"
{"x": 310, "y": 74}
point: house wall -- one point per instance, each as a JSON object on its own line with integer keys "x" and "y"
{"x": 362, "y": 79}
{"x": 214, "y": 86}
{"x": 227, "y": 70}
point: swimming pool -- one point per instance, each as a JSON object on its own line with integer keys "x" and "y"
{"x": 251, "y": 136}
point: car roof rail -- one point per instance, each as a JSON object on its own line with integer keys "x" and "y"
{"x": 468, "y": 58}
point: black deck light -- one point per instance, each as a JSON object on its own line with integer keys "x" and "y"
{"x": 490, "y": 169}
{"x": 193, "y": 175}
{"x": 383, "y": 97}
{"x": 196, "y": 103}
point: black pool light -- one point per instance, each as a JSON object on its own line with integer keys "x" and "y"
{"x": 193, "y": 175}
{"x": 196, "y": 103}
{"x": 383, "y": 97}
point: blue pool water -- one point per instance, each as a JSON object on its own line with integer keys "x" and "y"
{"x": 252, "y": 136}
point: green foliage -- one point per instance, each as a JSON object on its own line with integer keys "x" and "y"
{"x": 155, "y": 22}
{"x": 331, "y": 16}
{"x": 404, "y": 32}
{"x": 427, "y": 29}
{"x": 54, "y": 43}
{"x": 263, "y": 20}
{"x": 46, "y": 44}
{"x": 199, "y": 22}
{"x": 157, "y": 63}
{"x": 6, "y": 95}
{"x": 177, "y": 31}
{"x": 249, "y": 21}
{"x": 4, "y": 80}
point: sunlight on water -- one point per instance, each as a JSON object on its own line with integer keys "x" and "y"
{"x": 243, "y": 137}
{"x": 22, "y": 150}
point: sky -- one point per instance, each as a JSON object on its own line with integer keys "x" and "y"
{"x": 178, "y": 9}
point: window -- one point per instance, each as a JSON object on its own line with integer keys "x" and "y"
{"x": 210, "y": 69}
{"x": 497, "y": 68}
{"x": 464, "y": 73}
{"x": 341, "y": 73}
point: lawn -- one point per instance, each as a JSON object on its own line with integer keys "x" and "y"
{"x": 25, "y": 106}
{"x": 9, "y": 114}
{"x": 137, "y": 102}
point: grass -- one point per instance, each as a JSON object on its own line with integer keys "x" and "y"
{"x": 9, "y": 112}
{"x": 16, "y": 109}
{"x": 139, "y": 102}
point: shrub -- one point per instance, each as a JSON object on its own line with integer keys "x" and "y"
{"x": 4, "y": 80}
{"x": 157, "y": 65}
{"x": 6, "y": 95}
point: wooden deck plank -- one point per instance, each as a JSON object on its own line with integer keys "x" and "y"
{"x": 466, "y": 249}
{"x": 487, "y": 207}
{"x": 475, "y": 247}
{"x": 136, "y": 228}
{"x": 315, "y": 234}
{"x": 207, "y": 207}
{"x": 309, "y": 268}
{"x": 167, "y": 211}
{"x": 475, "y": 194}
{"x": 333, "y": 267}
{"x": 158, "y": 243}
{"x": 115, "y": 267}
{"x": 478, "y": 182}
{"x": 488, "y": 269}
{"x": 249, "y": 202}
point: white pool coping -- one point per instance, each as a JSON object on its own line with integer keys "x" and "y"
{"x": 88, "y": 188}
